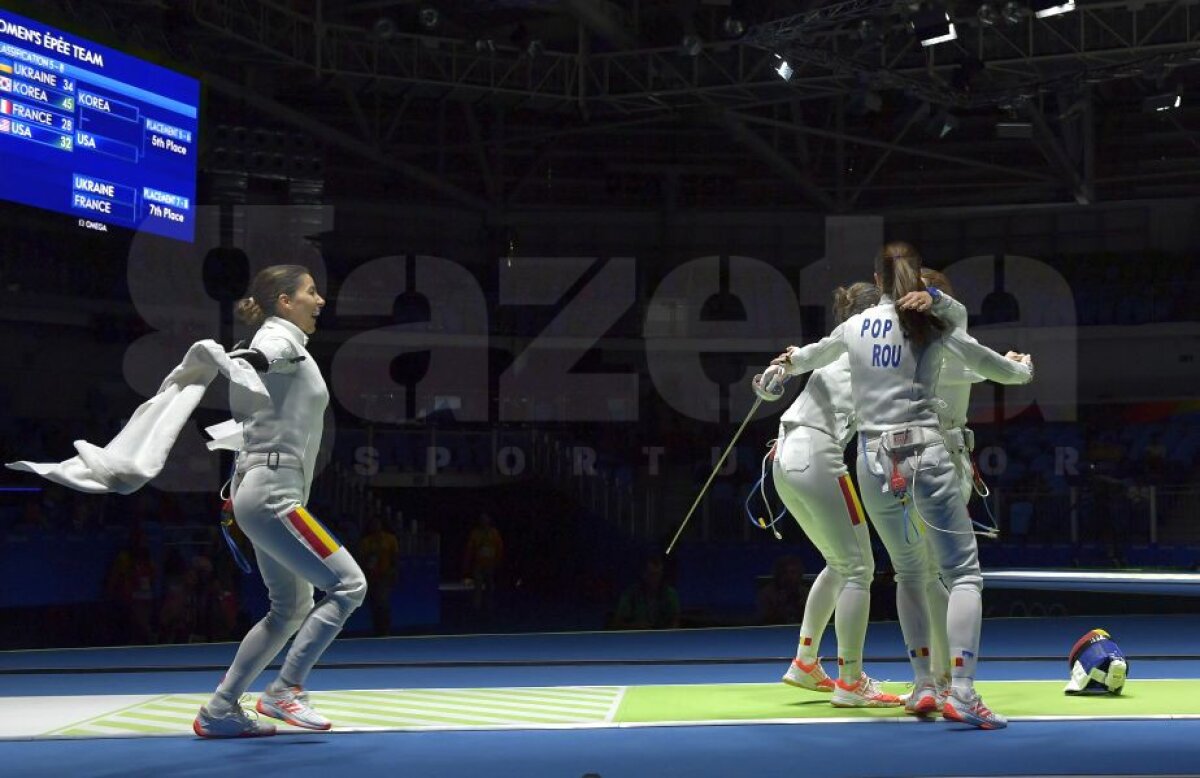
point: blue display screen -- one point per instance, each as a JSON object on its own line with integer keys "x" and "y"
{"x": 94, "y": 133}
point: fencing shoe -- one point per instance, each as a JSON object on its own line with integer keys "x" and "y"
{"x": 811, "y": 677}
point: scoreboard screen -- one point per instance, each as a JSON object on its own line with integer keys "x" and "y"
{"x": 96, "y": 134}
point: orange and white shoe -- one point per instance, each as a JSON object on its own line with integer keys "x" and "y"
{"x": 968, "y": 708}
{"x": 234, "y": 723}
{"x": 811, "y": 677}
{"x": 864, "y": 694}
{"x": 924, "y": 700}
{"x": 290, "y": 705}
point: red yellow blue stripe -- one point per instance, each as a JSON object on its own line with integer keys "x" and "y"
{"x": 853, "y": 506}
{"x": 319, "y": 539}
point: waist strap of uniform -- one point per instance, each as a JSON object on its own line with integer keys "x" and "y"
{"x": 248, "y": 460}
{"x": 901, "y": 439}
{"x": 959, "y": 439}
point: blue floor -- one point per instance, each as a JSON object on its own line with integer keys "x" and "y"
{"x": 1160, "y": 647}
{"x": 933, "y": 749}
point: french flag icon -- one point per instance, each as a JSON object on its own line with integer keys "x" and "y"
{"x": 5, "y": 106}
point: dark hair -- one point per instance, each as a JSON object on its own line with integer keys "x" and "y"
{"x": 265, "y": 290}
{"x": 937, "y": 278}
{"x": 899, "y": 268}
{"x": 856, "y": 298}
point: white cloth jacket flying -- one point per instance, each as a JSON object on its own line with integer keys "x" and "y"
{"x": 139, "y": 451}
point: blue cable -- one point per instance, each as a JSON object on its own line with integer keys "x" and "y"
{"x": 226, "y": 520}
{"x": 750, "y": 515}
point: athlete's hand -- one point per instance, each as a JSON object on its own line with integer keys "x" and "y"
{"x": 768, "y": 385}
{"x": 915, "y": 301}
{"x": 784, "y": 359}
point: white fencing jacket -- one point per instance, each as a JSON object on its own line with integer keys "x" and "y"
{"x": 894, "y": 383}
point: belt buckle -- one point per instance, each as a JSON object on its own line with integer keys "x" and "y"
{"x": 273, "y": 464}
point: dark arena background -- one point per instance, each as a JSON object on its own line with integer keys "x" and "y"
{"x": 556, "y": 240}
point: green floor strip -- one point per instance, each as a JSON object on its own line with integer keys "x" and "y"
{"x": 735, "y": 702}
{"x": 534, "y": 707}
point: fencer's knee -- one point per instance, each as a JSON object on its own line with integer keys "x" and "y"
{"x": 963, "y": 578}
{"x": 857, "y": 574}
{"x": 349, "y": 594}
{"x": 917, "y": 574}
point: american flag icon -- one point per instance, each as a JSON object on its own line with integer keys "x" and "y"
{"x": 5, "y": 125}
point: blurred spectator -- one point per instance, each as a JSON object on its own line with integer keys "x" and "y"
{"x": 82, "y": 517}
{"x": 781, "y": 600}
{"x": 174, "y": 617}
{"x": 378, "y": 552}
{"x": 651, "y": 603}
{"x": 213, "y": 603}
{"x": 130, "y": 587}
{"x": 481, "y": 559}
{"x": 33, "y": 519}
{"x": 1156, "y": 458}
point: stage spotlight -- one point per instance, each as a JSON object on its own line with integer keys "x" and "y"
{"x": 485, "y": 45}
{"x": 988, "y": 15}
{"x": 429, "y": 17}
{"x": 1012, "y": 12}
{"x": 1159, "y": 103}
{"x": 942, "y": 124}
{"x": 1044, "y": 8}
{"x": 783, "y": 68}
{"x": 692, "y": 44}
{"x": 384, "y": 29}
{"x": 535, "y": 48}
{"x": 933, "y": 26}
{"x": 733, "y": 27}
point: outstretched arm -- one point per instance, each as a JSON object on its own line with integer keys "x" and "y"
{"x": 269, "y": 355}
{"x": 796, "y": 361}
{"x": 1013, "y": 368}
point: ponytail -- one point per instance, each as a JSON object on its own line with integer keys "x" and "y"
{"x": 899, "y": 269}
{"x": 266, "y": 288}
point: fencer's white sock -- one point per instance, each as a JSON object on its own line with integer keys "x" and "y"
{"x": 853, "y": 612}
{"x": 818, "y": 610}
{"x": 914, "y": 623}
{"x": 963, "y": 618}
{"x": 219, "y": 705}
{"x": 278, "y": 685}
{"x": 937, "y": 598}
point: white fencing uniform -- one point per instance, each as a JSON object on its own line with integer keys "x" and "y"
{"x": 812, "y": 480}
{"x": 894, "y": 388}
{"x": 295, "y": 552}
{"x": 953, "y": 400}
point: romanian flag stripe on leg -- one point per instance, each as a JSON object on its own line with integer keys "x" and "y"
{"x": 314, "y": 533}
{"x": 853, "y": 506}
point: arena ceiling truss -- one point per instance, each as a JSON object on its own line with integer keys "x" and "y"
{"x": 516, "y": 104}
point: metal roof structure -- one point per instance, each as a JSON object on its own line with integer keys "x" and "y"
{"x": 515, "y": 104}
